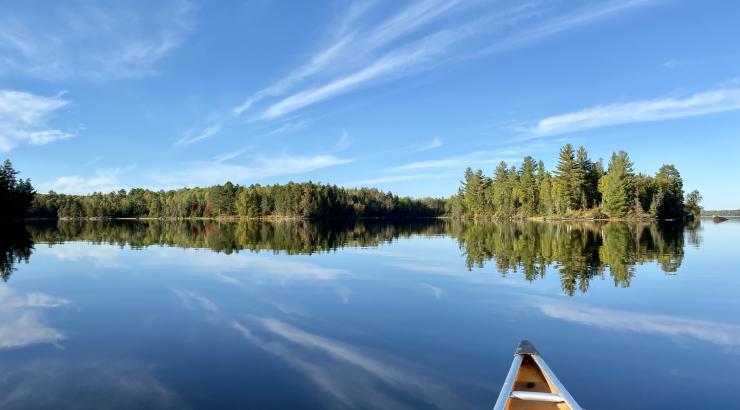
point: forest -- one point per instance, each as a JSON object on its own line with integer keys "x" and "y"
{"x": 16, "y": 195}
{"x": 292, "y": 200}
{"x": 577, "y": 188}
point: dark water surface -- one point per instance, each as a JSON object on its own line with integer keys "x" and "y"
{"x": 423, "y": 314}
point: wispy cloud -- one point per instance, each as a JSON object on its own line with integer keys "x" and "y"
{"x": 384, "y": 68}
{"x": 24, "y": 117}
{"x": 671, "y": 64}
{"x": 230, "y": 155}
{"x": 557, "y": 23}
{"x": 422, "y": 35}
{"x": 92, "y": 41}
{"x": 390, "y": 178}
{"x": 350, "y": 47}
{"x": 343, "y": 143}
{"x": 206, "y": 133}
{"x": 435, "y": 143}
{"x": 661, "y": 109}
{"x": 475, "y": 158}
{"x": 207, "y": 173}
{"x": 104, "y": 180}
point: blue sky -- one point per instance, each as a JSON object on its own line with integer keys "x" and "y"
{"x": 401, "y": 95}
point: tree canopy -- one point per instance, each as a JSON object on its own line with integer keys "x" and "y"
{"x": 292, "y": 200}
{"x": 578, "y": 187}
{"x": 16, "y": 195}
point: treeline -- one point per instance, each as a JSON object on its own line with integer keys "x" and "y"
{"x": 292, "y": 200}
{"x": 16, "y": 194}
{"x": 721, "y": 212}
{"x": 578, "y": 187}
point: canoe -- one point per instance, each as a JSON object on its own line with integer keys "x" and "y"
{"x": 531, "y": 385}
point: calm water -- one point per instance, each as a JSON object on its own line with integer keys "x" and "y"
{"x": 368, "y": 315}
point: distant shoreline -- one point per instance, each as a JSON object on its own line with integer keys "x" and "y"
{"x": 289, "y": 218}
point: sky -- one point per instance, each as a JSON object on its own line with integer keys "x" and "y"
{"x": 399, "y": 95}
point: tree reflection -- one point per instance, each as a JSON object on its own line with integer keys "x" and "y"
{"x": 578, "y": 251}
{"x": 15, "y": 247}
{"x": 291, "y": 237}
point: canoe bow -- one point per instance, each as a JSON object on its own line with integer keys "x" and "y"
{"x": 532, "y": 385}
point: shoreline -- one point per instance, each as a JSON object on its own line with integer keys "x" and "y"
{"x": 389, "y": 218}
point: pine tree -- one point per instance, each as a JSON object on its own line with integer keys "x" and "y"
{"x": 501, "y": 191}
{"x": 669, "y": 182}
{"x": 16, "y": 195}
{"x": 616, "y": 186}
{"x": 528, "y": 191}
{"x": 581, "y": 171}
{"x": 569, "y": 180}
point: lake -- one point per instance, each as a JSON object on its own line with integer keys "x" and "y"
{"x": 374, "y": 314}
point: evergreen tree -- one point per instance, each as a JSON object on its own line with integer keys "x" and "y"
{"x": 670, "y": 186}
{"x": 569, "y": 179}
{"x": 475, "y": 191}
{"x": 16, "y": 195}
{"x": 582, "y": 169}
{"x": 528, "y": 187}
{"x": 616, "y": 186}
{"x": 502, "y": 192}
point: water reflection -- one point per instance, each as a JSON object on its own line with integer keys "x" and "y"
{"x": 707, "y": 331}
{"x": 350, "y": 375}
{"x": 578, "y": 252}
{"x": 21, "y": 318}
{"x": 15, "y": 247}
{"x": 291, "y": 237}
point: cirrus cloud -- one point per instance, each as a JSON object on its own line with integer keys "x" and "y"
{"x": 659, "y": 109}
{"x": 24, "y": 117}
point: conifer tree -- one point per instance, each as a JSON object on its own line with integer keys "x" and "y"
{"x": 616, "y": 186}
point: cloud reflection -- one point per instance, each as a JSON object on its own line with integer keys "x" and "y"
{"x": 88, "y": 384}
{"x": 712, "y": 332}
{"x": 21, "y": 321}
{"x": 351, "y": 376}
{"x": 189, "y": 299}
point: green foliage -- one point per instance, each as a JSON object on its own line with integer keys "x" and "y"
{"x": 568, "y": 179}
{"x": 692, "y": 207}
{"x": 579, "y": 187}
{"x": 669, "y": 192}
{"x": 617, "y": 186}
{"x": 475, "y": 191}
{"x": 291, "y": 200}
{"x": 16, "y": 195}
{"x": 528, "y": 187}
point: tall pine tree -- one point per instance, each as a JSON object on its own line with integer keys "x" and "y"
{"x": 616, "y": 186}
